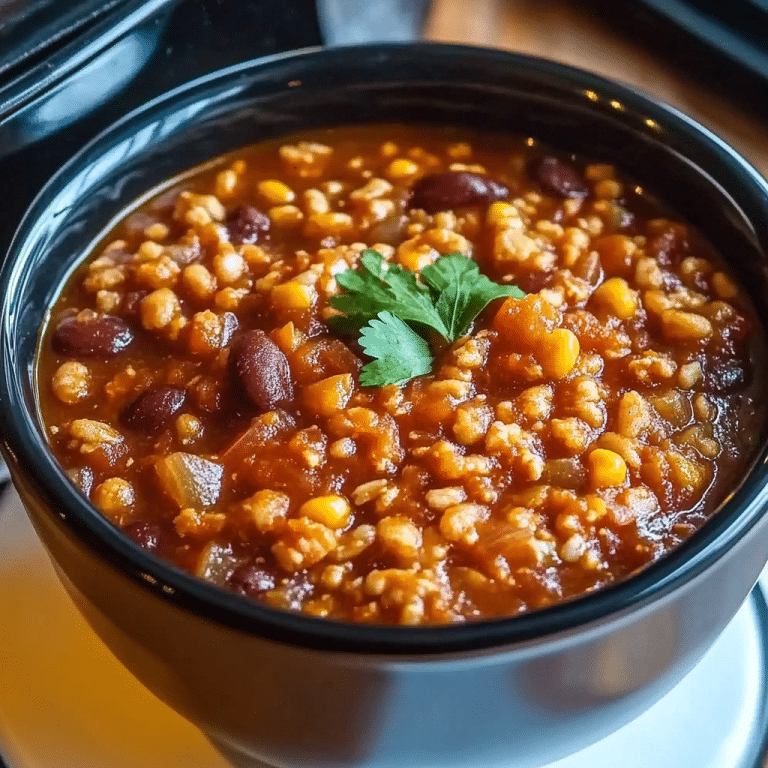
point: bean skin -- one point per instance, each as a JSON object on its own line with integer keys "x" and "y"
{"x": 260, "y": 370}
{"x": 455, "y": 189}
{"x": 251, "y": 580}
{"x": 102, "y": 337}
{"x": 150, "y": 536}
{"x": 248, "y": 225}
{"x": 152, "y": 410}
{"x": 556, "y": 177}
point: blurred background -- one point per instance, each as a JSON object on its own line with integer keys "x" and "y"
{"x": 68, "y": 68}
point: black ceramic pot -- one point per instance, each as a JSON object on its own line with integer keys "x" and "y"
{"x": 292, "y": 690}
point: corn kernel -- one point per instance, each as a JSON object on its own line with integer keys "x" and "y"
{"x": 329, "y": 225}
{"x": 293, "y": 295}
{"x": 608, "y": 189}
{"x": 596, "y": 509}
{"x": 226, "y": 182}
{"x": 558, "y": 353}
{"x": 685, "y": 326}
{"x": 285, "y": 215}
{"x": 328, "y": 396}
{"x": 616, "y": 295}
{"x": 499, "y": 211}
{"x": 402, "y": 169}
{"x": 606, "y": 468}
{"x": 331, "y": 511}
{"x": 616, "y": 253}
{"x": 275, "y": 192}
{"x": 723, "y": 286}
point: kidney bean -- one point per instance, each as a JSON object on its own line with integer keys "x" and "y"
{"x": 455, "y": 189}
{"x": 389, "y": 230}
{"x": 102, "y": 336}
{"x": 531, "y": 282}
{"x": 260, "y": 369}
{"x": 247, "y": 224}
{"x": 722, "y": 374}
{"x": 186, "y": 253}
{"x": 83, "y": 479}
{"x": 150, "y": 536}
{"x": 318, "y": 358}
{"x": 557, "y": 177}
{"x": 152, "y": 409}
{"x": 252, "y": 580}
{"x": 129, "y": 307}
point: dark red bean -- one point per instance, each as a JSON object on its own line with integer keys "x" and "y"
{"x": 389, "y": 230}
{"x": 316, "y": 327}
{"x": 252, "y": 580}
{"x": 82, "y": 479}
{"x": 184, "y": 254}
{"x": 557, "y": 177}
{"x": 102, "y": 336}
{"x": 260, "y": 369}
{"x": 152, "y": 410}
{"x": 722, "y": 374}
{"x": 455, "y": 189}
{"x": 531, "y": 282}
{"x": 150, "y": 536}
{"x": 247, "y": 225}
{"x": 131, "y": 303}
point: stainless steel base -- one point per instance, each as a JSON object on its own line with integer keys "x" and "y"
{"x": 65, "y": 702}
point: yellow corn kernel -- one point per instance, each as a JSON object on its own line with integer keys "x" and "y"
{"x": 293, "y": 295}
{"x": 328, "y": 396}
{"x": 329, "y": 225}
{"x": 401, "y": 169}
{"x": 596, "y": 509}
{"x": 606, "y": 468}
{"x": 723, "y": 286}
{"x": 275, "y": 192}
{"x": 616, "y": 296}
{"x": 415, "y": 256}
{"x": 608, "y": 189}
{"x": 499, "y": 211}
{"x": 685, "y": 326}
{"x": 616, "y": 253}
{"x": 558, "y": 353}
{"x": 285, "y": 215}
{"x": 331, "y": 511}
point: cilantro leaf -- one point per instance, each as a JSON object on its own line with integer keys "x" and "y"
{"x": 463, "y": 292}
{"x": 380, "y": 287}
{"x": 381, "y": 299}
{"x": 399, "y": 352}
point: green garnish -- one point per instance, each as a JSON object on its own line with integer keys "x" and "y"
{"x": 381, "y": 287}
{"x": 382, "y": 299}
{"x": 399, "y": 352}
{"x": 463, "y": 293}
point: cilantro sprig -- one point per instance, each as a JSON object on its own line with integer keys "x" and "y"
{"x": 390, "y": 304}
{"x": 399, "y": 352}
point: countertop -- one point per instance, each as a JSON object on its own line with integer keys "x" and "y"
{"x": 581, "y": 35}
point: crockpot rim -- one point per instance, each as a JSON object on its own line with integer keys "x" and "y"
{"x": 52, "y": 489}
